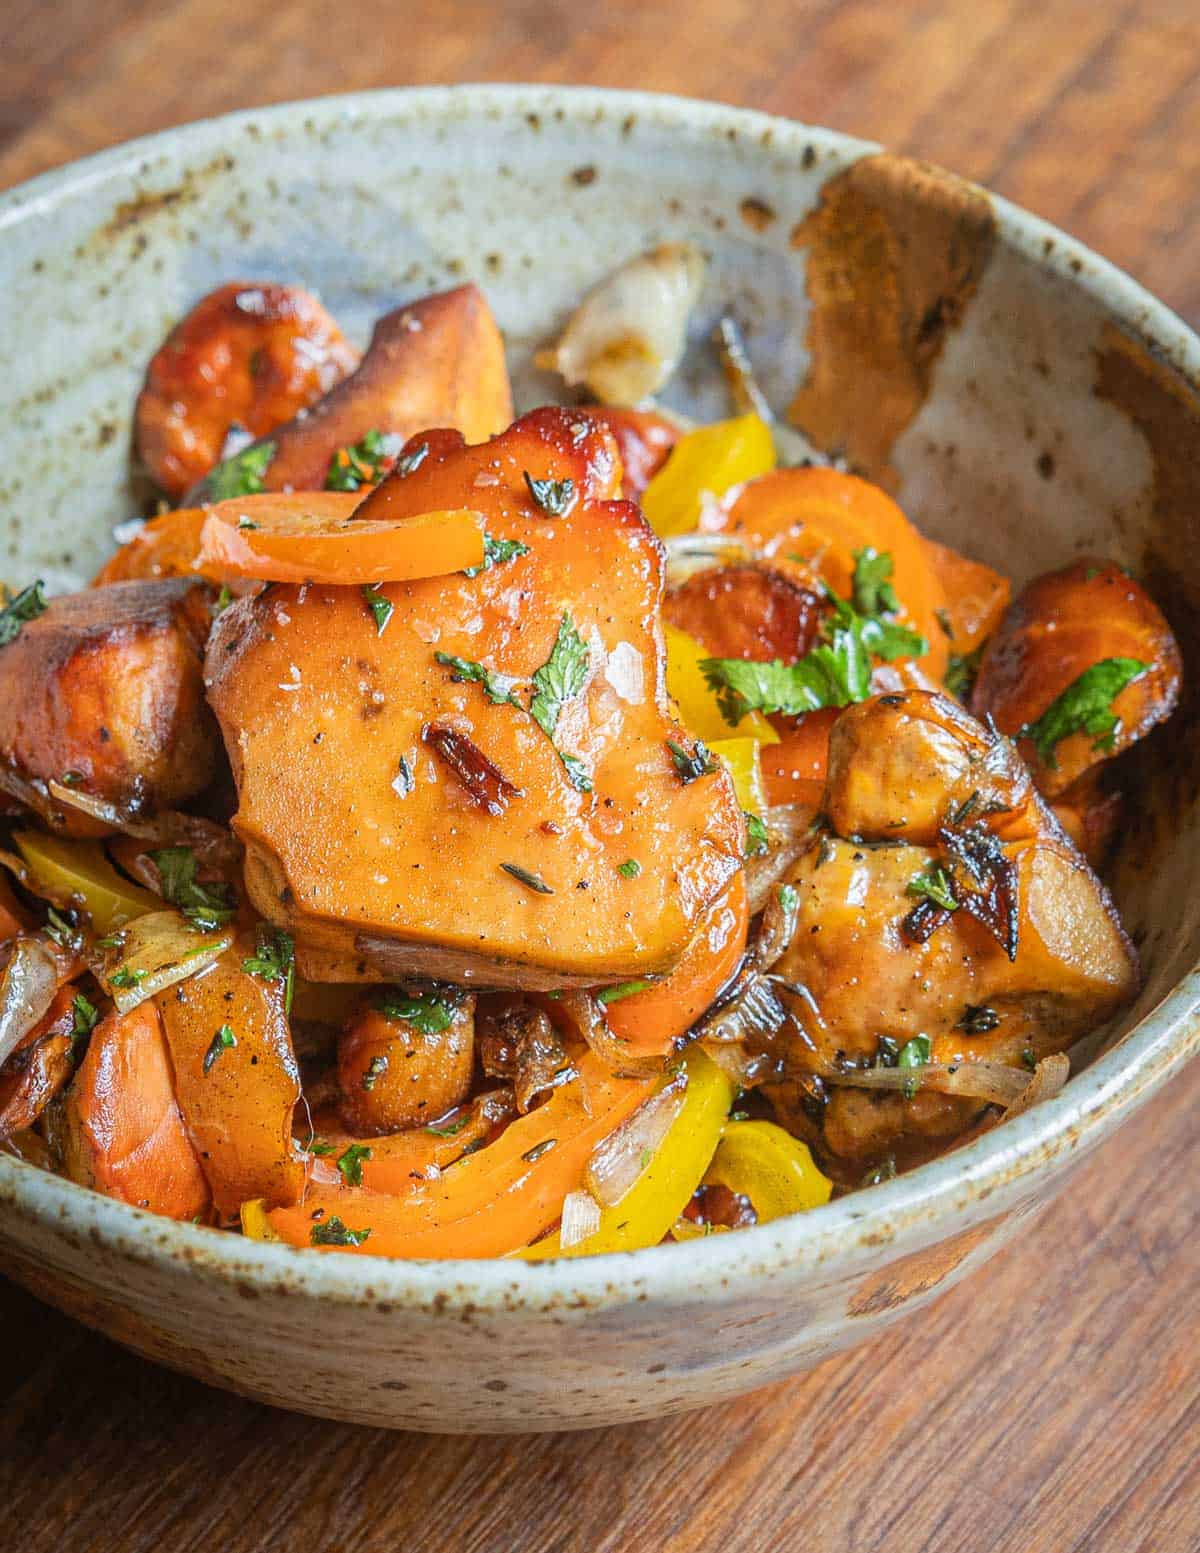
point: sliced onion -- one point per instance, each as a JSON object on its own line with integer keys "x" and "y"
{"x": 28, "y": 983}
{"x": 618, "y": 1160}
{"x": 212, "y": 843}
{"x": 580, "y": 1218}
{"x": 789, "y": 827}
{"x": 154, "y": 952}
{"x": 742, "y": 1068}
{"x": 688, "y": 554}
{"x": 1048, "y": 1077}
{"x": 586, "y": 1015}
{"x": 753, "y": 1013}
{"x": 994, "y": 1082}
{"x": 32, "y": 794}
{"x": 625, "y": 338}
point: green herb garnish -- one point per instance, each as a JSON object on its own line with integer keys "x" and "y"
{"x": 872, "y": 589}
{"x": 530, "y": 880}
{"x": 319, "y": 1147}
{"x": 223, "y": 1041}
{"x": 789, "y": 898}
{"x": 630, "y": 868}
{"x": 914, "y": 1054}
{"x": 126, "y": 977}
{"x": 554, "y": 497}
{"x": 497, "y": 687}
{"x": 448, "y": 1129}
{"x": 206, "y": 906}
{"x": 1085, "y": 706}
{"x": 332, "y": 1232}
{"x": 350, "y": 1163}
{"x": 380, "y": 606}
{"x": 428, "y": 1012}
{"x": 19, "y": 611}
{"x": 62, "y": 930}
{"x": 691, "y": 764}
{"x": 623, "y": 989}
{"x": 364, "y": 462}
{"x": 84, "y": 1018}
{"x": 758, "y": 838}
{"x": 936, "y": 885}
{"x": 242, "y": 475}
{"x": 560, "y": 679}
{"x": 274, "y": 960}
{"x": 495, "y": 553}
{"x": 374, "y": 1071}
{"x": 962, "y": 672}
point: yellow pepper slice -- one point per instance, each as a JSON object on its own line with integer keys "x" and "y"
{"x": 81, "y": 868}
{"x": 696, "y": 700}
{"x": 256, "y": 1220}
{"x": 775, "y": 1171}
{"x": 663, "y": 1189}
{"x": 708, "y": 461}
{"x": 742, "y": 763}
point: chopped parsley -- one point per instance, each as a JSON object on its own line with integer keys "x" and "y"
{"x": 531, "y": 881}
{"x": 872, "y": 588}
{"x": 19, "y": 611}
{"x": 350, "y": 1163}
{"x": 448, "y": 1129}
{"x": 758, "y": 840}
{"x": 63, "y": 931}
{"x": 497, "y": 687}
{"x": 319, "y": 1147}
{"x": 126, "y": 977}
{"x": 223, "y": 1041}
{"x": 364, "y": 462}
{"x": 691, "y": 764}
{"x": 1085, "y": 706}
{"x": 962, "y": 672}
{"x": 623, "y": 989}
{"x": 374, "y": 1071}
{"x": 206, "y": 906}
{"x": 936, "y": 885}
{"x": 274, "y": 960}
{"x": 560, "y": 679}
{"x": 1029, "y": 1058}
{"x": 789, "y": 898}
{"x": 242, "y": 475}
{"x": 380, "y": 605}
{"x": 495, "y": 553}
{"x": 630, "y": 868}
{"x": 84, "y": 1018}
{"x": 555, "y": 497}
{"x": 428, "y": 1012}
{"x": 332, "y": 1232}
{"x": 837, "y": 672}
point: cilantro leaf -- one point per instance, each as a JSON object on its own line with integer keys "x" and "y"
{"x": 936, "y": 885}
{"x": 914, "y": 1054}
{"x": 84, "y": 1018}
{"x": 275, "y": 960}
{"x": 350, "y": 1163}
{"x": 757, "y": 839}
{"x": 497, "y": 687}
{"x": 873, "y": 592}
{"x": 242, "y": 475}
{"x": 560, "y": 679}
{"x": 1085, "y": 706}
{"x": 623, "y": 989}
{"x": 380, "y": 606}
{"x": 364, "y": 462}
{"x": 332, "y": 1232}
{"x": 428, "y": 1012}
{"x": 630, "y": 868}
{"x": 962, "y": 672}
{"x": 555, "y": 497}
{"x": 206, "y": 906}
{"x": 495, "y": 553}
{"x": 126, "y": 977}
{"x": 221, "y": 1042}
{"x": 19, "y": 611}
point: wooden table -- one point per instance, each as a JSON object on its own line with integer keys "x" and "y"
{"x": 1053, "y": 1402}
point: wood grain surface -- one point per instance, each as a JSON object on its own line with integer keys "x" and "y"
{"x": 1051, "y": 1403}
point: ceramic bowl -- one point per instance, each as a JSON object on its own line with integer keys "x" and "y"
{"x": 1023, "y": 399}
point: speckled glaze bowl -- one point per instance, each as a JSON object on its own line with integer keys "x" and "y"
{"x": 1024, "y": 400}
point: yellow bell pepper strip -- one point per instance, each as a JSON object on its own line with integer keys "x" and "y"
{"x": 492, "y": 1201}
{"x": 665, "y": 1186}
{"x": 742, "y": 763}
{"x": 709, "y": 461}
{"x": 775, "y": 1171}
{"x": 696, "y": 700}
{"x": 81, "y": 868}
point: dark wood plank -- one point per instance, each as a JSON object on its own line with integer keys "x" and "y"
{"x": 1051, "y": 1404}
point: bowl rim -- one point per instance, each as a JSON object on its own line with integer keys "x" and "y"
{"x": 975, "y": 1182}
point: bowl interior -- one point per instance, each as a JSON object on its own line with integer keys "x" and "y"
{"x": 1023, "y": 400}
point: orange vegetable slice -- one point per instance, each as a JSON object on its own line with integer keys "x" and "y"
{"x": 314, "y": 537}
